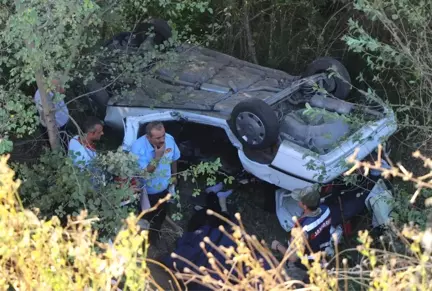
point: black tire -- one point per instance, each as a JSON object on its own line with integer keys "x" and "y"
{"x": 159, "y": 27}
{"x": 255, "y": 124}
{"x": 340, "y": 88}
{"x": 121, "y": 39}
{"x": 162, "y": 32}
{"x": 100, "y": 96}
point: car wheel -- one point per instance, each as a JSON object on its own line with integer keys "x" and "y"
{"x": 99, "y": 96}
{"x": 159, "y": 30}
{"x": 339, "y": 85}
{"x": 255, "y": 124}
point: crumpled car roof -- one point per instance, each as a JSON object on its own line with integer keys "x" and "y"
{"x": 198, "y": 65}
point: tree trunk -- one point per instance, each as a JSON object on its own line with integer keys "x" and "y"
{"x": 47, "y": 104}
{"x": 48, "y": 112}
{"x": 249, "y": 39}
{"x": 271, "y": 35}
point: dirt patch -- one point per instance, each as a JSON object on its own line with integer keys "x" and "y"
{"x": 252, "y": 201}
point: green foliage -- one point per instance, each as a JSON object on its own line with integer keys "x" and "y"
{"x": 210, "y": 171}
{"x": 56, "y": 187}
{"x": 5, "y": 146}
{"x": 118, "y": 163}
{"x": 39, "y": 37}
{"x": 185, "y": 16}
{"x": 203, "y": 168}
{"x": 59, "y": 40}
{"x": 405, "y": 212}
{"x": 41, "y": 254}
{"x": 394, "y": 41}
{"x": 17, "y": 117}
{"x": 286, "y": 34}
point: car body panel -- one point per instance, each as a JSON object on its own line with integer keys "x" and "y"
{"x": 203, "y": 86}
{"x": 261, "y": 171}
{"x": 324, "y": 168}
{"x": 290, "y": 168}
{"x": 156, "y": 93}
{"x": 132, "y": 124}
{"x": 115, "y": 115}
{"x": 181, "y": 83}
{"x": 274, "y": 176}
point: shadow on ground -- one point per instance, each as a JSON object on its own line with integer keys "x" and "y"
{"x": 252, "y": 201}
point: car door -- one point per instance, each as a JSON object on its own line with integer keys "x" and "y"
{"x": 132, "y": 124}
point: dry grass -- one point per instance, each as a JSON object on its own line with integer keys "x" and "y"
{"x": 42, "y": 255}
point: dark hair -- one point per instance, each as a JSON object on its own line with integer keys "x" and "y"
{"x": 90, "y": 124}
{"x": 313, "y": 208}
{"x": 153, "y": 125}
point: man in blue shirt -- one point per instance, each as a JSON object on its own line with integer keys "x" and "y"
{"x": 157, "y": 155}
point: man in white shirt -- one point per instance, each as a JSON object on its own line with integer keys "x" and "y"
{"x": 82, "y": 149}
{"x": 61, "y": 112}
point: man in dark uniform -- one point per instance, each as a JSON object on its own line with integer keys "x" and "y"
{"x": 315, "y": 223}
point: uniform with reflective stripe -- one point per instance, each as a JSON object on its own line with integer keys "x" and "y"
{"x": 317, "y": 229}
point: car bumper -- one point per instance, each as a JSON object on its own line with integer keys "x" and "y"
{"x": 271, "y": 175}
{"x": 297, "y": 161}
{"x": 295, "y": 167}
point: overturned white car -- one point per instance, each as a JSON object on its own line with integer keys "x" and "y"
{"x": 291, "y": 131}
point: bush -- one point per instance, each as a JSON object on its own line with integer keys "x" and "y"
{"x": 56, "y": 187}
{"x": 42, "y": 255}
{"x": 394, "y": 37}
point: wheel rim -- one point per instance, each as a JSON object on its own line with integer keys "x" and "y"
{"x": 250, "y": 128}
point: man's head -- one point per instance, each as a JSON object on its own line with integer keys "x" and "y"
{"x": 93, "y": 128}
{"x": 308, "y": 198}
{"x": 58, "y": 86}
{"x": 155, "y": 132}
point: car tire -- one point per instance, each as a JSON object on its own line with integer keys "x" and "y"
{"x": 255, "y": 124}
{"x": 340, "y": 88}
{"x": 159, "y": 27}
{"x": 99, "y": 96}
{"x": 162, "y": 32}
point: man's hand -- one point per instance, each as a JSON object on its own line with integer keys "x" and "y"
{"x": 159, "y": 152}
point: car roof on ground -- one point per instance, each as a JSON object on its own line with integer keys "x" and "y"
{"x": 195, "y": 66}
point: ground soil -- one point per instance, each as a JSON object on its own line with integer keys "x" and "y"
{"x": 248, "y": 200}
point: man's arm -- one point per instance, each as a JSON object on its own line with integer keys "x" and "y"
{"x": 143, "y": 162}
{"x": 174, "y": 172}
{"x": 176, "y": 156}
{"x": 153, "y": 165}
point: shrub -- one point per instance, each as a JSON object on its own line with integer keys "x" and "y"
{"x": 394, "y": 37}
{"x": 42, "y": 255}
{"x": 56, "y": 187}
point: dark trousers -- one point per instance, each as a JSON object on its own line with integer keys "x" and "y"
{"x": 156, "y": 217}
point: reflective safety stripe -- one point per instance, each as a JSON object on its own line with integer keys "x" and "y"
{"x": 309, "y": 227}
{"x": 324, "y": 245}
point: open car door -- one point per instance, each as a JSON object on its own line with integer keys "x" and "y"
{"x": 132, "y": 124}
